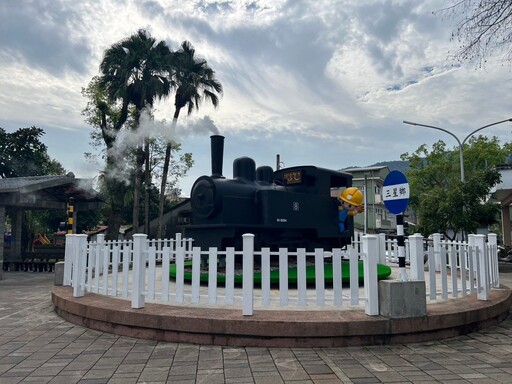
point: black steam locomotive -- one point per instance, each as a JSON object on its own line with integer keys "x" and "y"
{"x": 291, "y": 207}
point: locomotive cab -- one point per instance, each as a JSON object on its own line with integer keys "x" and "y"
{"x": 309, "y": 208}
{"x": 312, "y": 180}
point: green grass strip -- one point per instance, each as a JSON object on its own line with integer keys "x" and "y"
{"x": 383, "y": 271}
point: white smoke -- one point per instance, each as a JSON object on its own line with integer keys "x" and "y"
{"x": 182, "y": 130}
{"x": 127, "y": 140}
{"x": 198, "y": 127}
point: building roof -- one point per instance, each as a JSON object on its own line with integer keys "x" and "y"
{"x": 365, "y": 169}
{"x": 48, "y": 192}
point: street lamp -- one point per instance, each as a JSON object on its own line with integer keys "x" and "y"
{"x": 461, "y": 144}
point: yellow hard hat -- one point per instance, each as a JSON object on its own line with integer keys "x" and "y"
{"x": 352, "y": 196}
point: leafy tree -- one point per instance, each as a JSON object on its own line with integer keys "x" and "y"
{"x": 118, "y": 175}
{"x": 180, "y": 164}
{"x": 136, "y": 71}
{"x": 482, "y": 28}
{"x": 442, "y": 202}
{"x": 107, "y": 118}
{"x": 23, "y": 154}
{"x": 195, "y": 81}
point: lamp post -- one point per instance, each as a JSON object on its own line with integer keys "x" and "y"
{"x": 461, "y": 144}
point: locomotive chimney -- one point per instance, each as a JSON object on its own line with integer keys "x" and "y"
{"x": 217, "y": 145}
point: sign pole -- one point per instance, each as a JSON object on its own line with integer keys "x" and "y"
{"x": 401, "y": 247}
{"x": 70, "y": 211}
{"x": 396, "y": 198}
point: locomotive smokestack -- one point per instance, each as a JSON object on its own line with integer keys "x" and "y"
{"x": 217, "y": 143}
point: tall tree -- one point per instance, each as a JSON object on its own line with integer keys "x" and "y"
{"x": 23, "y": 154}
{"x": 442, "y": 202}
{"x": 483, "y": 28}
{"x": 195, "y": 81}
{"x": 108, "y": 119}
{"x": 136, "y": 71}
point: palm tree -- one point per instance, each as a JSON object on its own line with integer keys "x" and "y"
{"x": 136, "y": 71}
{"x": 109, "y": 119}
{"x": 194, "y": 81}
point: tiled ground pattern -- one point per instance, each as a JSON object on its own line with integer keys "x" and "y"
{"x": 36, "y": 346}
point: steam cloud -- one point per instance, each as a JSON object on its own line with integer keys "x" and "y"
{"x": 149, "y": 128}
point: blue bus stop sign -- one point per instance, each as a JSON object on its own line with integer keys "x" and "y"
{"x": 395, "y": 192}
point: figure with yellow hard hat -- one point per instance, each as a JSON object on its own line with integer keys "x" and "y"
{"x": 351, "y": 203}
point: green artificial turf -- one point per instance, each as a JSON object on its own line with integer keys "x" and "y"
{"x": 383, "y": 271}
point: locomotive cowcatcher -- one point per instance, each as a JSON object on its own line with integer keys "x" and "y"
{"x": 292, "y": 207}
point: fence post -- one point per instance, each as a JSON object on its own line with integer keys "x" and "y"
{"x": 69, "y": 256}
{"x": 436, "y": 238}
{"x": 230, "y": 275}
{"x": 302, "y": 288}
{"x": 179, "y": 260}
{"x": 483, "y": 263}
{"x": 196, "y": 275}
{"x": 353, "y": 257}
{"x": 472, "y": 267}
{"x": 337, "y": 280}
{"x": 492, "y": 241}
{"x": 472, "y": 244}
{"x": 248, "y": 274}
{"x": 283, "y": 277}
{"x": 417, "y": 257}
{"x": 370, "y": 259}
{"x": 104, "y": 255}
{"x": 382, "y": 248}
{"x": 265, "y": 276}
{"x": 79, "y": 263}
{"x": 139, "y": 269}
{"x": 179, "y": 241}
{"x": 212, "y": 275}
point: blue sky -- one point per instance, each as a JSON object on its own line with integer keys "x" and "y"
{"x": 325, "y": 82}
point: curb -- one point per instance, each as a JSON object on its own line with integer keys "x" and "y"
{"x": 275, "y": 328}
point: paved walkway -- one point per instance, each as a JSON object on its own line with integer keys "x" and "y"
{"x": 37, "y": 346}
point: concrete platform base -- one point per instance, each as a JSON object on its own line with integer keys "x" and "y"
{"x": 273, "y": 328}
{"x": 401, "y": 299}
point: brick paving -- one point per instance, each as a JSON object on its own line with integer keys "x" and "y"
{"x": 37, "y": 346}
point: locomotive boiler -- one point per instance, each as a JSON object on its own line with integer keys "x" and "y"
{"x": 292, "y": 207}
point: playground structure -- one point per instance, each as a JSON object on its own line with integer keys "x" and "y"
{"x": 20, "y": 194}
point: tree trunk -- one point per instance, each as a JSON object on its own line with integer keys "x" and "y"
{"x": 139, "y": 162}
{"x": 161, "y": 197}
{"x": 116, "y": 188}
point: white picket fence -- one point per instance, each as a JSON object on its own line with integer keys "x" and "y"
{"x": 138, "y": 269}
{"x": 475, "y": 263}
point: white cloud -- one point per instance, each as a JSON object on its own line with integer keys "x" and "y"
{"x": 325, "y": 82}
